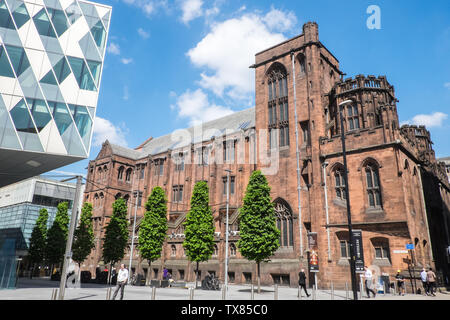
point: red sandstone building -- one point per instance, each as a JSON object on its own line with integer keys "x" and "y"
{"x": 399, "y": 193}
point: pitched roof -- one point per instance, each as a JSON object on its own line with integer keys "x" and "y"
{"x": 230, "y": 124}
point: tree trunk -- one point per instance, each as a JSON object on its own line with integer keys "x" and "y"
{"x": 109, "y": 273}
{"x": 196, "y": 276}
{"x": 32, "y": 270}
{"x": 79, "y": 274}
{"x": 259, "y": 277}
{"x": 149, "y": 272}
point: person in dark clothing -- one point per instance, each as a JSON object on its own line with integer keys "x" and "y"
{"x": 302, "y": 281}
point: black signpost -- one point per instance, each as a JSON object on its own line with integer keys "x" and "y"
{"x": 359, "y": 253}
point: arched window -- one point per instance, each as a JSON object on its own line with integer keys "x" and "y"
{"x": 128, "y": 175}
{"x": 102, "y": 198}
{"x": 284, "y": 223}
{"x": 278, "y": 105}
{"x": 216, "y": 251}
{"x": 381, "y": 248}
{"x": 119, "y": 195}
{"x": 126, "y": 198}
{"x": 105, "y": 170}
{"x": 96, "y": 200}
{"x": 120, "y": 174}
{"x": 301, "y": 60}
{"x": 173, "y": 250}
{"x": 99, "y": 173}
{"x": 339, "y": 183}
{"x": 373, "y": 186}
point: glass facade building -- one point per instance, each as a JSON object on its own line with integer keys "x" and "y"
{"x": 51, "y": 60}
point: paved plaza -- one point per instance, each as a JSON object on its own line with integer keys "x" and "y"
{"x": 42, "y": 289}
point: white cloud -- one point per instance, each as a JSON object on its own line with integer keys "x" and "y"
{"x": 106, "y": 130}
{"x": 148, "y": 7}
{"x": 191, "y": 9}
{"x": 196, "y": 106}
{"x": 447, "y": 85}
{"x": 279, "y": 20}
{"x": 435, "y": 119}
{"x": 113, "y": 48}
{"x": 144, "y": 34}
{"x": 126, "y": 60}
{"x": 228, "y": 50}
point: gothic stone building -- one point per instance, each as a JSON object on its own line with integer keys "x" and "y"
{"x": 399, "y": 193}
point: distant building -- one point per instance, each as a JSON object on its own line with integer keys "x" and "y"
{"x": 446, "y": 162}
{"x": 21, "y": 202}
{"x": 51, "y": 61}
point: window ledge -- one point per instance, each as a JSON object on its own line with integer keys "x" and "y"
{"x": 377, "y": 210}
{"x": 340, "y": 203}
{"x": 285, "y": 250}
{"x": 343, "y": 262}
{"x": 384, "y": 262}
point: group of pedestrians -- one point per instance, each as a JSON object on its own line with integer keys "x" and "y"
{"x": 428, "y": 281}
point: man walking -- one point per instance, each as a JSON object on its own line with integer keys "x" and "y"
{"x": 400, "y": 283}
{"x": 302, "y": 282}
{"x": 122, "y": 279}
{"x": 431, "y": 281}
{"x": 369, "y": 282}
{"x": 423, "y": 277}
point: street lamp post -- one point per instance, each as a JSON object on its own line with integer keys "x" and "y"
{"x": 349, "y": 218}
{"x": 226, "y": 232}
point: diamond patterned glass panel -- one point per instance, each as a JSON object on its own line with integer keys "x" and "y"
{"x": 21, "y": 15}
{"x": 61, "y": 116}
{"x": 62, "y": 69}
{"x": 73, "y": 12}
{"x": 5, "y": 67}
{"x": 89, "y": 48}
{"x": 95, "y": 70}
{"x": 99, "y": 34}
{"x": 39, "y": 112}
{"x": 49, "y": 78}
{"x": 21, "y": 118}
{"x": 5, "y": 17}
{"x": 81, "y": 73}
{"x": 59, "y": 21}
{"x": 83, "y": 122}
{"x": 8, "y": 137}
{"x": 18, "y": 59}
{"x": 42, "y": 23}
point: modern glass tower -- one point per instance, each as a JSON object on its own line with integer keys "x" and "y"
{"x": 51, "y": 59}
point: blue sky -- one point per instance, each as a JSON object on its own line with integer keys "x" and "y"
{"x": 173, "y": 63}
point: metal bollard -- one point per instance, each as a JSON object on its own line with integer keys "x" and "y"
{"x": 346, "y": 291}
{"x": 54, "y": 294}
{"x": 332, "y": 291}
{"x": 314, "y": 292}
{"x": 223, "y": 292}
{"x": 252, "y": 295}
{"x": 361, "y": 288}
{"x": 108, "y": 293}
{"x": 275, "y": 293}
{"x": 154, "y": 293}
{"x": 299, "y": 294}
{"x": 191, "y": 294}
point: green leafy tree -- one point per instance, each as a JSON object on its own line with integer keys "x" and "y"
{"x": 116, "y": 234}
{"x": 259, "y": 235}
{"x": 153, "y": 228}
{"x": 57, "y": 235}
{"x": 36, "y": 252}
{"x": 199, "y": 227}
{"x": 83, "y": 241}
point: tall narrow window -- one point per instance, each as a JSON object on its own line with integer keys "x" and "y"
{"x": 352, "y": 117}
{"x": 278, "y": 106}
{"x": 339, "y": 184}
{"x": 120, "y": 174}
{"x": 232, "y": 185}
{"x": 179, "y": 162}
{"x": 373, "y": 186}
{"x": 177, "y": 193}
{"x": 229, "y": 151}
{"x": 128, "y": 175}
{"x": 284, "y": 224}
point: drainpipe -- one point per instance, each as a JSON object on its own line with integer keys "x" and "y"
{"x": 324, "y": 165}
{"x": 298, "y": 158}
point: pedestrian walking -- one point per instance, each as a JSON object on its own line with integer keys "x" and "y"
{"x": 423, "y": 277}
{"x": 122, "y": 279}
{"x": 368, "y": 276}
{"x": 302, "y": 281}
{"x": 400, "y": 283}
{"x": 431, "y": 282}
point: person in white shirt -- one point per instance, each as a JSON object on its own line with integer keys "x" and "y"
{"x": 122, "y": 279}
{"x": 369, "y": 282}
{"x": 423, "y": 276}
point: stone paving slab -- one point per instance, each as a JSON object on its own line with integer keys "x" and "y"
{"x": 41, "y": 289}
